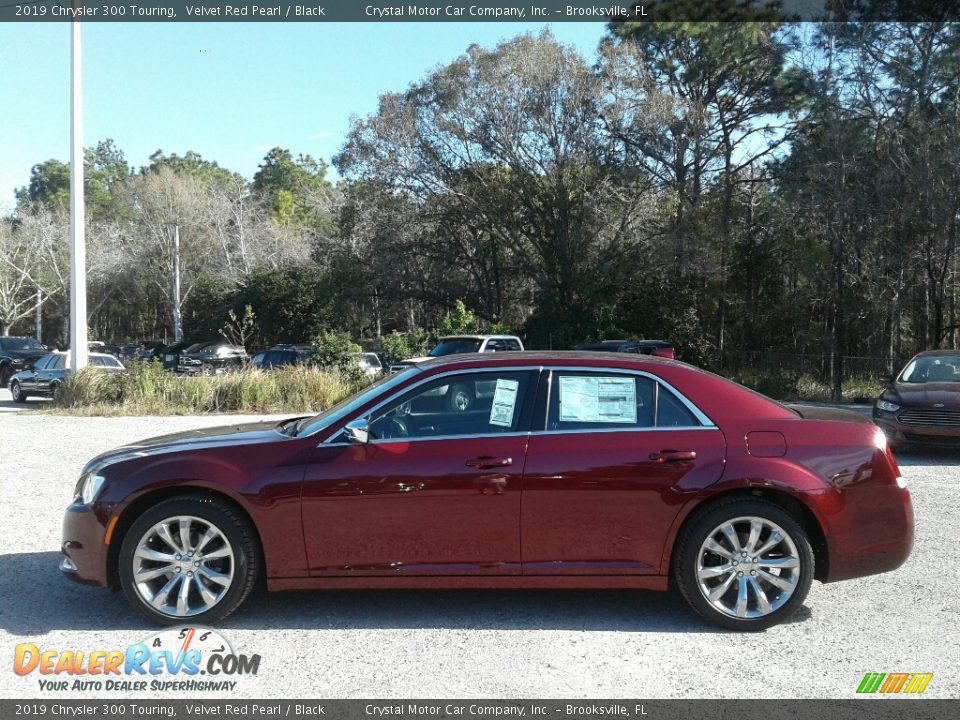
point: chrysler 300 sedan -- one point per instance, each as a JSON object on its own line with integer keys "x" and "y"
{"x": 567, "y": 470}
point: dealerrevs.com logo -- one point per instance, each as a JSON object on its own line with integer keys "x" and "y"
{"x": 177, "y": 659}
{"x": 895, "y": 683}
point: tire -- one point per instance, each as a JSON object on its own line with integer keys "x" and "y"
{"x": 6, "y": 372}
{"x": 460, "y": 398}
{"x": 698, "y": 570}
{"x": 234, "y": 559}
{"x": 19, "y": 396}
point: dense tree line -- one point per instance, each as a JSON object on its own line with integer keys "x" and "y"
{"x": 733, "y": 187}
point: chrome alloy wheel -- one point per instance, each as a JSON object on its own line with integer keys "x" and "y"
{"x": 183, "y": 566}
{"x": 748, "y": 567}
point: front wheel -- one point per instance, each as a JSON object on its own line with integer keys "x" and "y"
{"x": 19, "y": 396}
{"x": 6, "y": 372}
{"x": 744, "y": 564}
{"x": 189, "y": 557}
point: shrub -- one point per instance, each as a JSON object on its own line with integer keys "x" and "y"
{"x": 334, "y": 351}
{"x": 399, "y": 346}
{"x": 147, "y": 389}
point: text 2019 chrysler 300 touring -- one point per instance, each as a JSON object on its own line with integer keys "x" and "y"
{"x": 566, "y": 470}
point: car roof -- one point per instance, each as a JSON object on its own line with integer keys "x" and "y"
{"x": 535, "y": 358}
{"x": 478, "y": 337}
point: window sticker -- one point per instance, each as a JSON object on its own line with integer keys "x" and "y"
{"x": 598, "y": 399}
{"x": 504, "y": 403}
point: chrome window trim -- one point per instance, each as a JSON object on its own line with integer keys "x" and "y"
{"x": 414, "y": 386}
{"x": 705, "y": 422}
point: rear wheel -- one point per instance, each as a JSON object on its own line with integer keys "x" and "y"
{"x": 189, "y": 557}
{"x": 17, "y": 391}
{"x": 744, "y": 564}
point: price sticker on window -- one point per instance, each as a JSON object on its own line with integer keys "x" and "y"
{"x": 504, "y": 403}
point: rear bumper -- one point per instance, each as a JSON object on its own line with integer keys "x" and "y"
{"x": 83, "y": 545}
{"x": 870, "y": 532}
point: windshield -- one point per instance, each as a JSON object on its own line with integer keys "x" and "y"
{"x": 932, "y": 369}
{"x": 314, "y": 424}
{"x": 14, "y": 343}
{"x": 455, "y": 346}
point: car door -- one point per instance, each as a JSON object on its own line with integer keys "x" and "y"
{"x": 28, "y": 379}
{"x": 436, "y": 489}
{"x": 606, "y": 474}
{"x": 53, "y": 371}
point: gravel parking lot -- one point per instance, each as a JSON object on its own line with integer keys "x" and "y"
{"x": 483, "y": 644}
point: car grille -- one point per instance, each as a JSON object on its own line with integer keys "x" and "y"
{"x": 929, "y": 417}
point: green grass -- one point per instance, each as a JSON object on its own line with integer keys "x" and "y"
{"x": 146, "y": 389}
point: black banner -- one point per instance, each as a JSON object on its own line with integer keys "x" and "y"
{"x": 478, "y": 11}
{"x": 914, "y": 708}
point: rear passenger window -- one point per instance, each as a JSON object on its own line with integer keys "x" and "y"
{"x": 610, "y": 401}
{"x": 671, "y": 412}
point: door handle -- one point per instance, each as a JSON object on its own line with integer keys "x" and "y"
{"x": 489, "y": 462}
{"x": 673, "y": 456}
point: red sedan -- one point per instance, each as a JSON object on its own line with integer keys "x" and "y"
{"x": 516, "y": 470}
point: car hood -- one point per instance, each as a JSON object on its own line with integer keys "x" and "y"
{"x": 24, "y": 354}
{"x": 928, "y": 394}
{"x": 202, "y": 438}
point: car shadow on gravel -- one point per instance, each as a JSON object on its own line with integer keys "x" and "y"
{"x": 36, "y": 599}
{"x": 927, "y": 457}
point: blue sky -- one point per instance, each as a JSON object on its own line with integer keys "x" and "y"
{"x": 229, "y": 91}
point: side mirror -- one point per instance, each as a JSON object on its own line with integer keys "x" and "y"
{"x": 886, "y": 378}
{"x": 358, "y": 431}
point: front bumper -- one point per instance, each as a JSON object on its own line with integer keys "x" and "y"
{"x": 900, "y": 434}
{"x": 84, "y": 558}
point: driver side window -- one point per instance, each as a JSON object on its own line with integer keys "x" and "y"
{"x": 486, "y": 403}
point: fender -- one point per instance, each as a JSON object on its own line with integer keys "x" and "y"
{"x": 742, "y": 473}
{"x": 274, "y": 508}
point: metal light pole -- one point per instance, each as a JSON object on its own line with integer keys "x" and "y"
{"x": 78, "y": 250}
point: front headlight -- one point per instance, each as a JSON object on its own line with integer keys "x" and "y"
{"x": 90, "y": 487}
{"x": 887, "y": 406}
{"x": 17, "y": 362}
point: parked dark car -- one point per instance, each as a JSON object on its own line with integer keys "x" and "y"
{"x": 170, "y": 355}
{"x": 660, "y": 348}
{"x": 580, "y": 470}
{"x": 211, "y": 357}
{"x": 150, "y": 349}
{"x": 305, "y": 349}
{"x": 274, "y": 358}
{"x": 17, "y": 353}
{"x": 98, "y": 346}
{"x": 921, "y": 406}
{"x": 46, "y": 375}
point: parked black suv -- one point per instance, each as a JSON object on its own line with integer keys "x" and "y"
{"x": 17, "y": 353}
{"x": 277, "y": 357}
